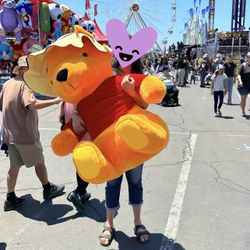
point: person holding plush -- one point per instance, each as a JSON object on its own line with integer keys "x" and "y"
{"x": 134, "y": 176}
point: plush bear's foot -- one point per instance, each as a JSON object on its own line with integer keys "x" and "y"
{"x": 141, "y": 135}
{"x": 131, "y": 133}
{"x": 90, "y": 162}
{"x": 64, "y": 143}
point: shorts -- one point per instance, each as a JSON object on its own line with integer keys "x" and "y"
{"x": 25, "y": 154}
{"x": 243, "y": 90}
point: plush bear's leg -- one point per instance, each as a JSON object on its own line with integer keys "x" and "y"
{"x": 91, "y": 164}
{"x": 142, "y": 134}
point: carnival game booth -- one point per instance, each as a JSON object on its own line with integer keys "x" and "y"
{"x": 30, "y": 26}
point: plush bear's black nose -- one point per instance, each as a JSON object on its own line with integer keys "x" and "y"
{"x": 62, "y": 75}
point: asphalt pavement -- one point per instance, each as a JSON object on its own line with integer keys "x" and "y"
{"x": 196, "y": 191}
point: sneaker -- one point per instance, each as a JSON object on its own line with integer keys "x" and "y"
{"x": 11, "y": 205}
{"x": 75, "y": 198}
{"x": 215, "y": 115}
{"x": 219, "y": 113}
{"x": 55, "y": 190}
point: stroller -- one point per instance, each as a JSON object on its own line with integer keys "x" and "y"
{"x": 171, "y": 97}
{"x": 208, "y": 78}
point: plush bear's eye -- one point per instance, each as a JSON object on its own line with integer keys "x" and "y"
{"x": 62, "y": 75}
{"x": 85, "y": 54}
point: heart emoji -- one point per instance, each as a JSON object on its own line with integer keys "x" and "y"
{"x": 125, "y": 48}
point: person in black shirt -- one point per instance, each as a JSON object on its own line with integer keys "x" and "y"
{"x": 244, "y": 83}
{"x": 229, "y": 69}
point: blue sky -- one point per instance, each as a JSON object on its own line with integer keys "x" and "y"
{"x": 157, "y": 13}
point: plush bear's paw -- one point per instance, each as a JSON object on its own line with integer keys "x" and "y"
{"x": 152, "y": 90}
{"x": 132, "y": 134}
{"x": 64, "y": 143}
{"x": 89, "y": 161}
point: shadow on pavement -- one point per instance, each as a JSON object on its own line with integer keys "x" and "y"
{"x": 232, "y": 104}
{"x": 55, "y": 213}
{"x": 94, "y": 209}
{"x": 125, "y": 242}
{"x": 44, "y": 211}
{"x": 3, "y": 245}
{"x": 227, "y": 117}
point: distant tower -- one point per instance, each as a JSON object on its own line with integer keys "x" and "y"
{"x": 238, "y": 15}
{"x": 211, "y": 14}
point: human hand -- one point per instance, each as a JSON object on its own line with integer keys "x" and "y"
{"x": 128, "y": 85}
{"x": 57, "y": 100}
{"x": 240, "y": 83}
{"x": 77, "y": 123}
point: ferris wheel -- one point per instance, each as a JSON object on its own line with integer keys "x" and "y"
{"x": 137, "y": 14}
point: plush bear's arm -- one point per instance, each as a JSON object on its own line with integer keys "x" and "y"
{"x": 64, "y": 142}
{"x": 152, "y": 89}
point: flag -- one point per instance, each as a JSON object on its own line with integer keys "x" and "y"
{"x": 199, "y": 2}
{"x": 191, "y": 13}
{"x": 195, "y": 3}
{"x": 203, "y": 13}
{"x": 87, "y": 5}
{"x": 95, "y": 10}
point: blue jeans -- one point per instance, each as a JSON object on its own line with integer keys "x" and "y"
{"x": 230, "y": 83}
{"x": 135, "y": 190}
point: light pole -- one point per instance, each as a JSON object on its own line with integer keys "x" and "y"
{"x": 215, "y": 41}
{"x": 249, "y": 37}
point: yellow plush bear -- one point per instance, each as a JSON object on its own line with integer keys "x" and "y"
{"x": 77, "y": 68}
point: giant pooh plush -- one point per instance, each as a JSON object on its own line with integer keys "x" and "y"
{"x": 78, "y": 69}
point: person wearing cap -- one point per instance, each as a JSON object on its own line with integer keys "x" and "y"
{"x": 218, "y": 89}
{"x": 20, "y": 132}
{"x": 244, "y": 83}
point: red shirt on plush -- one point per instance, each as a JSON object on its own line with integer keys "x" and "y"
{"x": 106, "y": 105}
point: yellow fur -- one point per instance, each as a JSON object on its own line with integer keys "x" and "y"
{"x": 131, "y": 140}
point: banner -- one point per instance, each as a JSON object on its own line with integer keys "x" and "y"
{"x": 87, "y": 5}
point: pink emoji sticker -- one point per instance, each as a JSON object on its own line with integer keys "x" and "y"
{"x": 125, "y": 48}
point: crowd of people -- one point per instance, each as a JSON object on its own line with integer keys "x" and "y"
{"x": 20, "y": 127}
{"x": 219, "y": 73}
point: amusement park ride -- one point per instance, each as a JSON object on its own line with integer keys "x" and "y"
{"x": 135, "y": 15}
{"x": 141, "y": 14}
{"x": 237, "y": 40}
{"x": 238, "y": 15}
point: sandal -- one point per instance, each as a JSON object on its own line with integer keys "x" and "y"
{"x": 107, "y": 236}
{"x": 140, "y": 230}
